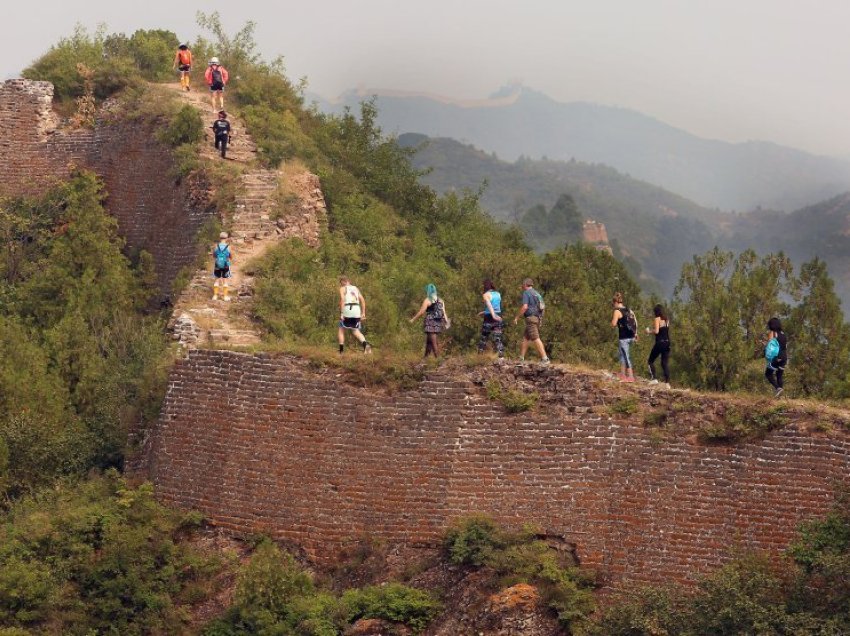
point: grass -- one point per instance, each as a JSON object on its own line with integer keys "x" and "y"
{"x": 514, "y": 401}
{"x": 739, "y": 424}
{"x": 626, "y": 405}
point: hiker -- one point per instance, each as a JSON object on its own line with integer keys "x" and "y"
{"x": 626, "y": 324}
{"x": 221, "y": 130}
{"x": 661, "y": 329}
{"x": 183, "y": 63}
{"x": 352, "y": 310}
{"x": 491, "y": 328}
{"x": 776, "y": 354}
{"x": 436, "y": 318}
{"x": 223, "y": 258}
{"x": 532, "y": 310}
{"x": 216, "y": 76}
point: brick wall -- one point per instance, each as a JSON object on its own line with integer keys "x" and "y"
{"x": 264, "y": 444}
{"x": 153, "y": 211}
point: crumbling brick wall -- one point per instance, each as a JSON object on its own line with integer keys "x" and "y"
{"x": 154, "y": 211}
{"x": 265, "y": 444}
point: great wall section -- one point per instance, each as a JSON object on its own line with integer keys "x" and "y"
{"x": 267, "y": 443}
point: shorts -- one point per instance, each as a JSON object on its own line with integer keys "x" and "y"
{"x": 216, "y": 86}
{"x": 185, "y": 68}
{"x": 221, "y": 272}
{"x": 350, "y": 323}
{"x": 532, "y": 328}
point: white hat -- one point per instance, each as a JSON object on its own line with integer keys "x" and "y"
{"x": 214, "y": 60}
{"x": 223, "y": 235}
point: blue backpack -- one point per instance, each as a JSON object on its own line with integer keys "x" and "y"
{"x": 222, "y": 256}
{"x": 771, "y": 349}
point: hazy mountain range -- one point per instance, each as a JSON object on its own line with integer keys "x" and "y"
{"x": 657, "y": 228}
{"x": 517, "y": 122}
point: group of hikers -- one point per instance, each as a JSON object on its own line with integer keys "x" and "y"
{"x": 216, "y": 77}
{"x": 352, "y": 304}
{"x": 352, "y": 313}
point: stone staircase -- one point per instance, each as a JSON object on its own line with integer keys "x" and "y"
{"x": 258, "y": 222}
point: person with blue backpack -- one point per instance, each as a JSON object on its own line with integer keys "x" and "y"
{"x": 223, "y": 259}
{"x": 436, "y": 319}
{"x": 493, "y": 324}
{"x": 776, "y": 355}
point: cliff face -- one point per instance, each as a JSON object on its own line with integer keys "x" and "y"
{"x": 154, "y": 212}
{"x": 265, "y": 444}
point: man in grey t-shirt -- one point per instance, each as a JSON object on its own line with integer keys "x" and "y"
{"x": 532, "y": 310}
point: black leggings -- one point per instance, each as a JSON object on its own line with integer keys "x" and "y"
{"x": 431, "y": 344}
{"x": 774, "y": 375}
{"x": 663, "y": 350}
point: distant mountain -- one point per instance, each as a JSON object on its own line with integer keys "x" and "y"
{"x": 520, "y": 122}
{"x": 817, "y": 230}
{"x": 657, "y": 228}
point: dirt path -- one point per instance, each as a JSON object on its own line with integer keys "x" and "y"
{"x": 256, "y": 224}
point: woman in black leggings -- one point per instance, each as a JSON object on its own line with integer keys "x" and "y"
{"x": 776, "y": 363}
{"x": 661, "y": 329}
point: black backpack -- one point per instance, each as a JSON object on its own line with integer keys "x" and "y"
{"x": 436, "y": 310}
{"x": 217, "y": 77}
{"x": 629, "y": 321}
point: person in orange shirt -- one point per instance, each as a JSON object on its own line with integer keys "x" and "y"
{"x": 183, "y": 62}
{"x": 216, "y": 76}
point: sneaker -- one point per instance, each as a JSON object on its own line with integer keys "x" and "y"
{"x": 545, "y": 361}
{"x": 666, "y": 385}
{"x": 368, "y": 348}
{"x": 629, "y": 378}
{"x": 779, "y": 392}
{"x": 653, "y": 381}
{"x": 227, "y": 299}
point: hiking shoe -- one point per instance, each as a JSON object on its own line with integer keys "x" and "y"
{"x": 666, "y": 385}
{"x": 653, "y": 381}
{"x": 367, "y": 348}
{"x": 545, "y": 361}
{"x": 779, "y": 392}
{"x": 628, "y": 378}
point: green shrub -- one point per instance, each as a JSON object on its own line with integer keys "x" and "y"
{"x": 393, "y": 602}
{"x": 184, "y": 128}
{"x": 515, "y": 401}
{"x": 473, "y": 540}
{"x": 627, "y": 405}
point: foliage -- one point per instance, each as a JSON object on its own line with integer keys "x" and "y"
{"x": 626, "y": 405}
{"x": 80, "y": 360}
{"x": 97, "y": 557}
{"x": 274, "y": 595}
{"x": 116, "y": 61}
{"x": 560, "y": 225}
{"x": 807, "y": 596}
{"x": 185, "y": 127}
{"x": 522, "y": 558}
{"x": 393, "y": 602}
{"x": 515, "y": 400}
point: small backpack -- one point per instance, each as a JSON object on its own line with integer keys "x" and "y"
{"x": 771, "y": 349}
{"x": 629, "y": 320}
{"x": 436, "y": 310}
{"x": 217, "y": 77}
{"x": 185, "y": 57}
{"x": 222, "y": 255}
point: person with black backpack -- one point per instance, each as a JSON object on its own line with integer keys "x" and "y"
{"x": 216, "y": 76}
{"x": 221, "y": 130}
{"x": 436, "y": 319}
{"x": 625, "y": 322}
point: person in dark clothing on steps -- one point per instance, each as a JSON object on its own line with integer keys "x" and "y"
{"x": 776, "y": 354}
{"x": 221, "y": 130}
{"x": 661, "y": 329}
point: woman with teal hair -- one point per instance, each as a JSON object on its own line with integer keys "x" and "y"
{"x": 436, "y": 318}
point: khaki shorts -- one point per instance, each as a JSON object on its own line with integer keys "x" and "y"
{"x": 532, "y": 328}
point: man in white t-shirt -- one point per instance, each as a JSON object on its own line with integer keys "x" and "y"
{"x": 352, "y": 310}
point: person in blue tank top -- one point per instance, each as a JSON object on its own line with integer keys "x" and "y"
{"x": 491, "y": 328}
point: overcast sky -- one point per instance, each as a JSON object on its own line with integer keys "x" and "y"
{"x": 777, "y": 70}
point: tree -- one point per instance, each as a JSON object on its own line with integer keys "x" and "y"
{"x": 819, "y": 337}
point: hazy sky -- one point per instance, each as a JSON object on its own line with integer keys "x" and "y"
{"x": 733, "y": 70}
